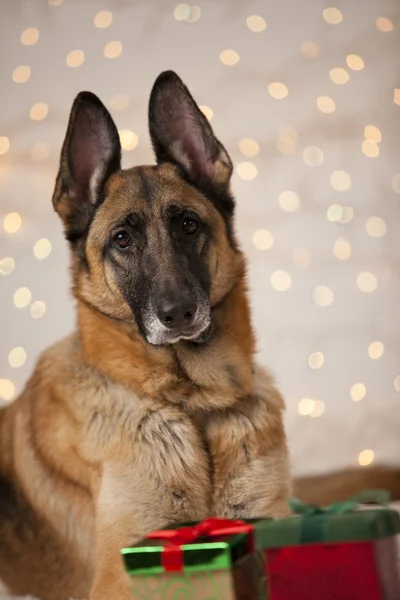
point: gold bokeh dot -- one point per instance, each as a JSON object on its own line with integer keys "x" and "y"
{"x": 357, "y": 392}
{"x": 318, "y": 410}
{"x": 207, "y": 111}
{"x": 334, "y": 213}
{"x": 75, "y": 58}
{"x": 396, "y": 182}
{"x": 22, "y": 297}
{"x": 323, "y": 296}
{"x": 289, "y": 201}
{"x": 313, "y": 156}
{"x": 7, "y": 389}
{"x": 229, "y": 57}
{"x": 347, "y": 214}
{"x": 316, "y": 360}
{"x": 355, "y": 62}
{"x": 21, "y": 74}
{"x": 120, "y": 102}
{"x": 37, "y": 309}
{"x": 287, "y": 140}
{"x": 366, "y": 457}
{"x": 40, "y": 151}
{"x": 278, "y": 90}
{"x": 39, "y": 111}
{"x": 103, "y": 19}
{"x": 396, "y": 383}
{"x": 372, "y": 134}
{"x": 310, "y": 49}
{"x": 194, "y": 14}
{"x": 281, "y": 281}
{"x": 339, "y": 76}
{"x": 249, "y": 147}
{"x": 375, "y": 350}
{"x": 263, "y": 239}
{"x": 376, "y": 227}
{"x": 256, "y": 24}
{"x": 17, "y": 357}
{"x": 342, "y": 249}
{"x": 370, "y": 149}
{"x": 332, "y": 15}
{"x": 326, "y": 104}
{"x": 182, "y": 12}
{"x": 306, "y": 406}
{"x": 396, "y": 96}
{"x": 340, "y": 180}
{"x": 301, "y": 258}
{"x": 113, "y": 49}
{"x": 7, "y": 265}
{"x": 384, "y": 24}
{"x": 246, "y": 171}
{"x": 30, "y": 36}
{"x": 4, "y": 145}
{"x": 12, "y": 222}
{"x": 366, "y": 282}
{"x": 129, "y": 140}
{"x": 42, "y": 249}
{"x": 55, "y": 2}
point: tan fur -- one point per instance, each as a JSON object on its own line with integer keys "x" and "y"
{"x": 113, "y": 437}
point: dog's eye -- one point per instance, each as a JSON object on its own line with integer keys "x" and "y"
{"x": 189, "y": 226}
{"x": 122, "y": 239}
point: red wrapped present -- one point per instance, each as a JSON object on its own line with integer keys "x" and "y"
{"x": 341, "y": 552}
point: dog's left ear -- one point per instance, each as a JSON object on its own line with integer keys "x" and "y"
{"x": 181, "y": 134}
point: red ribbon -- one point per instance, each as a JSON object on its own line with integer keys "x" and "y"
{"x": 172, "y": 556}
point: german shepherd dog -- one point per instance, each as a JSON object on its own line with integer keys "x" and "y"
{"x": 154, "y": 410}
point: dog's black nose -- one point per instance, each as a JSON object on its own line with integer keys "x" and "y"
{"x": 176, "y": 311}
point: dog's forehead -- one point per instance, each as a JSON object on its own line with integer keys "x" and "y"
{"x": 149, "y": 190}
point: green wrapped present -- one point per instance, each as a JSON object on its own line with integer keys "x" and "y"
{"x": 211, "y": 560}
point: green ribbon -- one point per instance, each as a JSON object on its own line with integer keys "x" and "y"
{"x": 314, "y": 524}
{"x": 380, "y": 497}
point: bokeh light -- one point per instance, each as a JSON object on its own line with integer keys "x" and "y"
{"x": 366, "y": 457}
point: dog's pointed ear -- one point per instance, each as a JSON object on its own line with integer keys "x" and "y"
{"x": 181, "y": 134}
{"x": 90, "y": 154}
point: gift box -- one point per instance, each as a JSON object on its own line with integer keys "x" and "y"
{"x": 212, "y": 560}
{"x": 342, "y": 552}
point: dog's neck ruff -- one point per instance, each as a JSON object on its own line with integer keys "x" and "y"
{"x": 215, "y": 372}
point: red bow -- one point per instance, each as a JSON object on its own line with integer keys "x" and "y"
{"x": 172, "y": 556}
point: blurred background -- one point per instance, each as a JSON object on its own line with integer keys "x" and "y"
{"x": 306, "y": 98}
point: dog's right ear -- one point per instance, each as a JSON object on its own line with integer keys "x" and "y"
{"x": 90, "y": 154}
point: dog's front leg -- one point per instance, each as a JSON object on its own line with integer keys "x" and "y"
{"x": 120, "y": 521}
{"x": 166, "y": 479}
{"x": 250, "y": 457}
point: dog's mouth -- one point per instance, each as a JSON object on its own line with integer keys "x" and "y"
{"x": 198, "y": 336}
{"x": 159, "y": 335}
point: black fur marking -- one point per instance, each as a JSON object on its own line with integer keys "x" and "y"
{"x": 178, "y": 495}
{"x": 246, "y": 453}
{"x": 8, "y": 499}
{"x": 146, "y": 186}
{"x": 238, "y": 510}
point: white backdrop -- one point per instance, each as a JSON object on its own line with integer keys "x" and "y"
{"x": 304, "y": 97}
